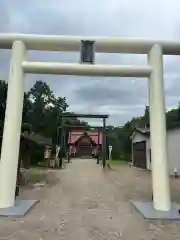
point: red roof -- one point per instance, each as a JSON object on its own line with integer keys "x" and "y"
{"x": 75, "y": 135}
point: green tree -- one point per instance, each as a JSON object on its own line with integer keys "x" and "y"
{"x": 41, "y": 97}
{"x": 46, "y": 109}
{"x": 146, "y": 117}
{"x": 27, "y": 109}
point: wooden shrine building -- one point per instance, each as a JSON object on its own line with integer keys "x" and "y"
{"x": 84, "y": 143}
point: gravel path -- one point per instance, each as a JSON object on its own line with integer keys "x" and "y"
{"x": 85, "y": 203}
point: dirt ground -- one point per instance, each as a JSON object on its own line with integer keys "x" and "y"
{"x": 84, "y": 202}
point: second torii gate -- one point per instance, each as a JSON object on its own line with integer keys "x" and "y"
{"x": 91, "y": 116}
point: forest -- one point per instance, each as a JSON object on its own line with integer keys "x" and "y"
{"x": 42, "y": 109}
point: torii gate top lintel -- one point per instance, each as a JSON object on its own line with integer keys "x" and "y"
{"x": 82, "y": 115}
{"x": 102, "y": 44}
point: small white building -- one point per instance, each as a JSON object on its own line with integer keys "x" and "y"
{"x": 141, "y": 149}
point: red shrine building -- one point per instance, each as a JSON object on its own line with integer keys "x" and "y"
{"x": 84, "y": 143}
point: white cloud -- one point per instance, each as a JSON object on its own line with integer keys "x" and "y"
{"x": 121, "y": 98}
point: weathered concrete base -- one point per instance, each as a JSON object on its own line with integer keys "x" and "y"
{"x": 20, "y": 208}
{"x": 148, "y": 211}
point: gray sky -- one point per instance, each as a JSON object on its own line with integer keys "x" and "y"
{"x": 121, "y": 98}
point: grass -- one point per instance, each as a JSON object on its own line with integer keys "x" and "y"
{"x": 36, "y": 174}
{"x": 37, "y": 168}
{"x": 118, "y": 162}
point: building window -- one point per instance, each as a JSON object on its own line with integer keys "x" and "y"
{"x": 150, "y": 155}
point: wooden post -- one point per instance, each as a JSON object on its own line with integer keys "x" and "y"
{"x": 104, "y": 143}
{"x": 18, "y": 178}
{"x": 62, "y": 143}
{"x": 98, "y": 148}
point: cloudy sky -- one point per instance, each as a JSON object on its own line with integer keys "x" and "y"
{"x": 121, "y": 98}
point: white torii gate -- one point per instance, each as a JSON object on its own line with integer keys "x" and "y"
{"x": 20, "y": 66}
